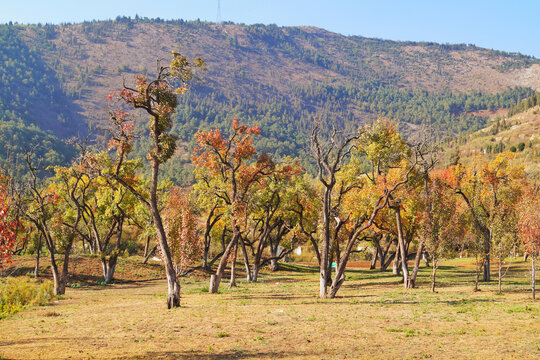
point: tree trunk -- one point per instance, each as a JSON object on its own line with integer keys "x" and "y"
{"x": 417, "y": 258}
{"x": 232, "y": 283}
{"x": 59, "y": 286}
{"x": 487, "y": 266}
{"x": 205, "y": 258}
{"x": 216, "y": 280}
{"x": 173, "y": 295}
{"x": 150, "y": 253}
{"x": 36, "y": 269}
{"x": 425, "y": 257}
{"x": 403, "y": 251}
{"x": 255, "y": 275}
{"x": 395, "y": 263}
{"x": 325, "y": 272}
{"x": 477, "y": 275}
{"x": 274, "y": 266}
{"x": 486, "y": 274}
{"x": 533, "y": 278}
{"x": 500, "y": 268}
{"x": 525, "y": 256}
{"x": 109, "y": 266}
{"x": 435, "y": 266}
{"x": 323, "y": 282}
{"x": 246, "y": 261}
{"x": 146, "y": 248}
{"x": 382, "y": 257}
{"x": 374, "y": 258}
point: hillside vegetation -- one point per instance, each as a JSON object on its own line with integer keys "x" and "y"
{"x": 519, "y": 133}
{"x": 278, "y": 77}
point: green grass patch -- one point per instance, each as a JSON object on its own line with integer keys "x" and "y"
{"x": 522, "y": 309}
{"x": 17, "y": 294}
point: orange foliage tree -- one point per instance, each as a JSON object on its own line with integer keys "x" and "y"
{"x": 491, "y": 191}
{"x": 231, "y": 161}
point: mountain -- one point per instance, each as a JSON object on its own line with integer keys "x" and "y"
{"x": 279, "y": 77}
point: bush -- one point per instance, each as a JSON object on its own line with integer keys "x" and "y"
{"x": 18, "y": 293}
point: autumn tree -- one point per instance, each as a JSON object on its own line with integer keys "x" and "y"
{"x": 7, "y": 229}
{"x": 213, "y": 209}
{"x": 353, "y": 192}
{"x": 529, "y": 229}
{"x": 330, "y": 155}
{"x": 306, "y": 205}
{"x": 442, "y": 221}
{"x": 105, "y": 205}
{"x": 427, "y": 153}
{"x": 484, "y": 187}
{"x": 231, "y": 159}
{"x": 271, "y": 219}
{"x": 157, "y": 97}
{"x": 182, "y": 231}
{"x": 45, "y": 208}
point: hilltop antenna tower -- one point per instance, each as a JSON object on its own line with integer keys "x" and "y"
{"x": 218, "y": 17}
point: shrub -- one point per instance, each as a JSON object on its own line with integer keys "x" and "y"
{"x": 18, "y": 293}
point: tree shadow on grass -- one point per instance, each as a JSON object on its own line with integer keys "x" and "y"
{"x": 231, "y": 354}
{"x": 298, "y": 268}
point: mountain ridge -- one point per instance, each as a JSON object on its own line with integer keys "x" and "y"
{"x": 281, "y": 77}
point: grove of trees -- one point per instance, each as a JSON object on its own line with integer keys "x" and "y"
{"x": 372, "y": 191}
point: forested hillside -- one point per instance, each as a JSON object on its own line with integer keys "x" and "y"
{"x": 278, "y": 77}
{"x": 33, "y": 108}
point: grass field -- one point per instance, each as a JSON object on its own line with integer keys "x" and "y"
{"x": 281, "y": 318}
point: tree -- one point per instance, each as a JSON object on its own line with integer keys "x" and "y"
{"x": 231, "y": 160}
{"x": 442, "y": 221}
{"x": 182, "y": 232}
{"x": 330, "y": 156}
{"x": 46, "y": 210}
{"x": 529, "y": 229}
{"x": 485, "y": 188}
{"x": 213, "y": 208}
{"x": 354, "y": 192}
{"x": 270, "y": 216}
{"x": 7, "y": 229}
{"x": 428, "y": 160}
{"x": 158, "y": 98}
{"x": 105, "y": 205}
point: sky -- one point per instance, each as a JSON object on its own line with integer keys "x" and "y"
{"x": 503, "y": 25}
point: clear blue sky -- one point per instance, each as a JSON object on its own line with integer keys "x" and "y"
{"x": 503, "y": 25}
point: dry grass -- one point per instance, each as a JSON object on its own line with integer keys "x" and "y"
{"x": 281, "y": 317}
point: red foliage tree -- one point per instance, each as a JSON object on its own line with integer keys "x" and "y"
{"x": 7, "y": 230}
{"x": 181, "y": 225}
